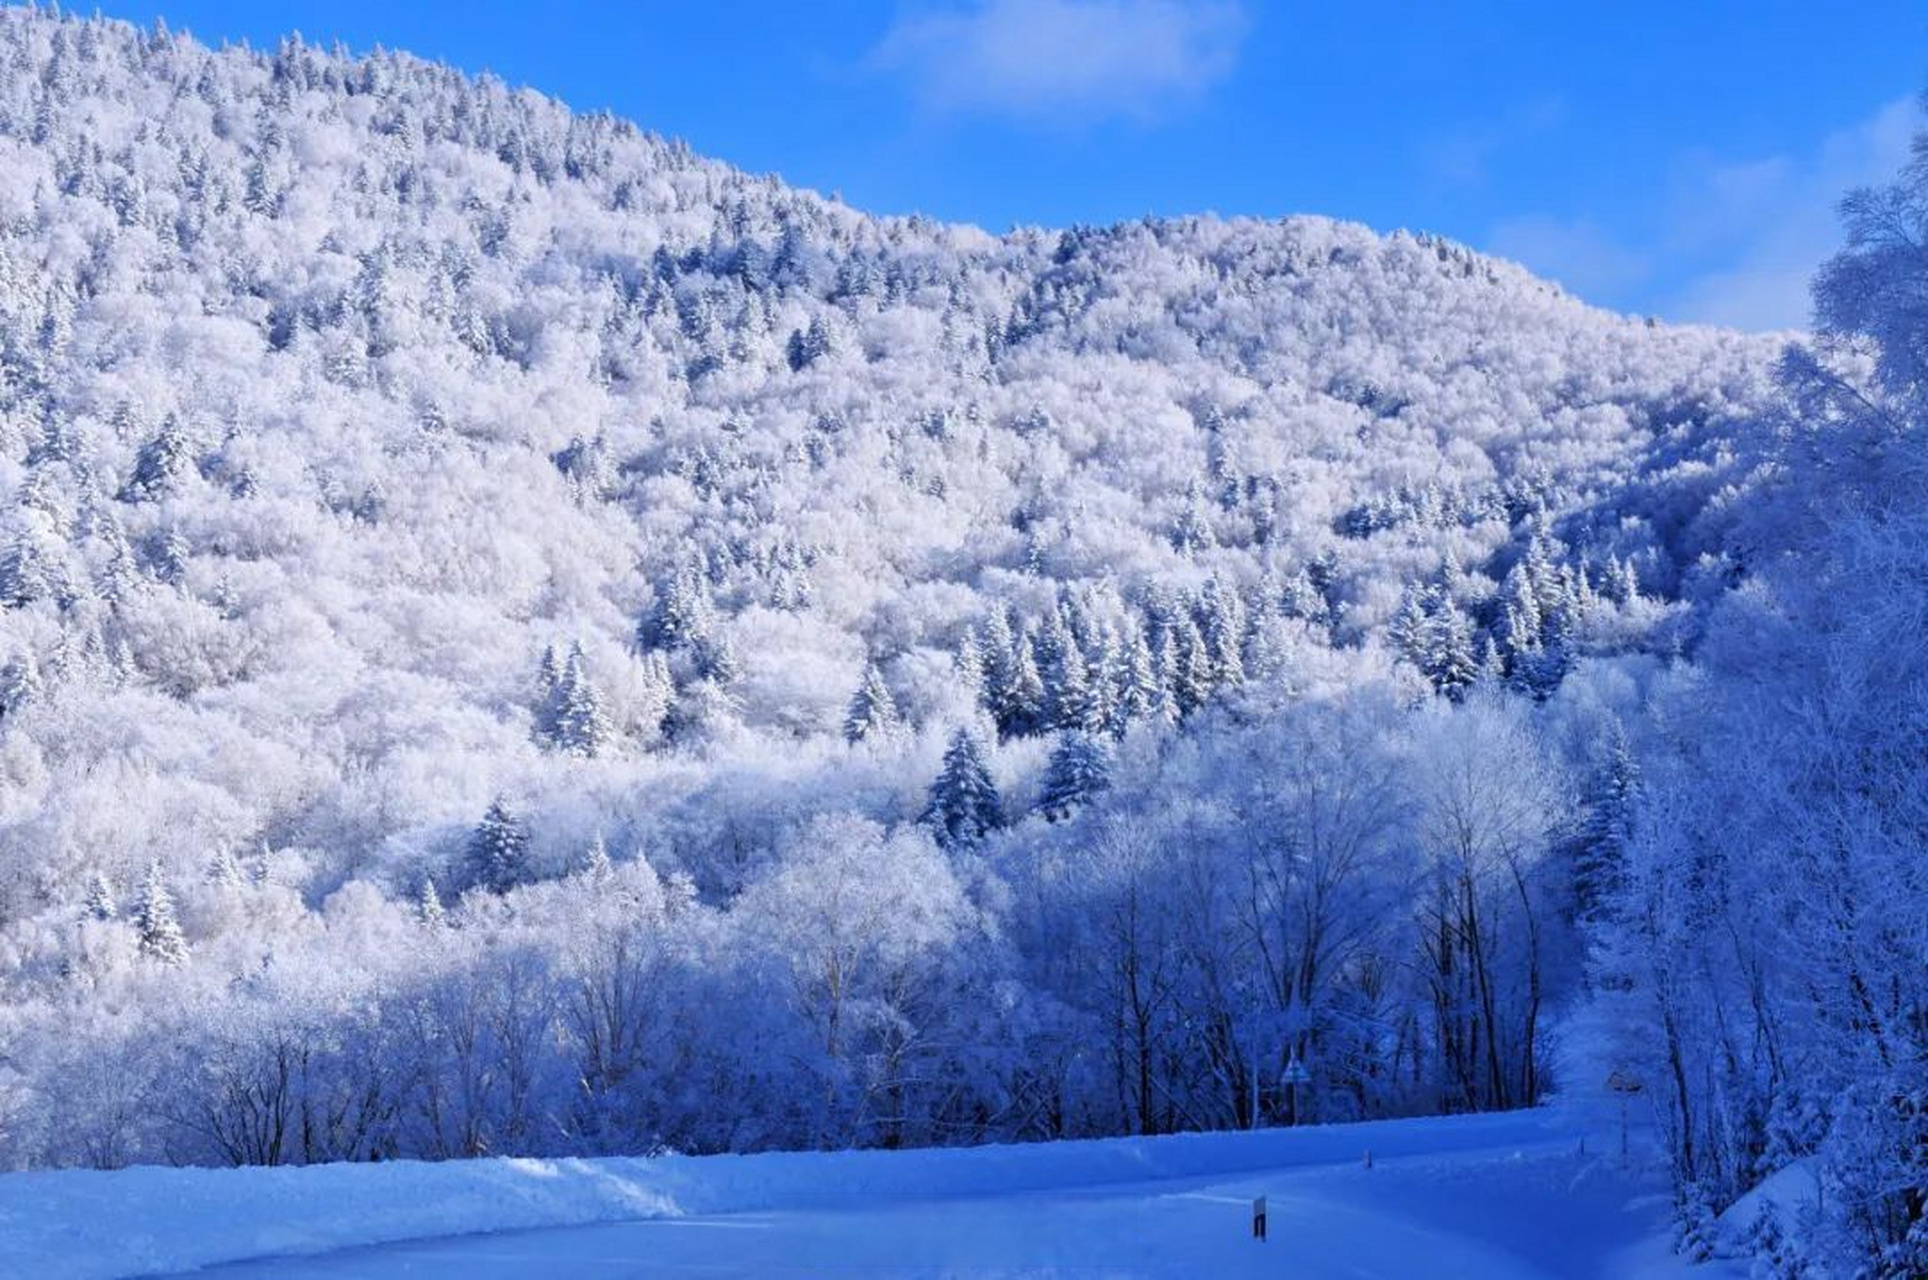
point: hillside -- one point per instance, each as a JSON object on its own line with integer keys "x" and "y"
{"x": 338, "y": 390}
{"x": 518, "y": 639}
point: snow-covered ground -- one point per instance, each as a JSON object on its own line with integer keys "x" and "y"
{"x": 1495, "y": 1196}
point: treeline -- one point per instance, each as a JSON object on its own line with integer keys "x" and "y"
{"x": 1385, "y": 900}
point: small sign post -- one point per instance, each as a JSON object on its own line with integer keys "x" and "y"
{"x": 1258, "y": 1219}
{"x": 1294, "y": 1075}
{"x": 1625, "y": 1086}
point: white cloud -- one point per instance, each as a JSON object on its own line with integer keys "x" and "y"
{"x": 1071, "y": 60}
{"x": 1462, "y": 157}
{"x": 1776, "y": 220}
{"x": 1734, "y": 242}
{"x": 1579, "y": 255}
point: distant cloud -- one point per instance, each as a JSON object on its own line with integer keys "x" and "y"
{"x": 1734, "y": 242}
{"x": 1461, "y": 157}
{"x": 1577, "y": 255}
{"x": 1072, "y": 60}
{"x": 1779, "y": 217}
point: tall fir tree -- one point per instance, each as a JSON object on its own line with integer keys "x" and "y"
{"x": 1079, "y": 769}
{"x": 160, "y": 464}
{"x": 498, "y": 849}
{"x": 19, "y": 684}
{"x": 429, "y": 912}
{"x": 1191, "y": 681}
{"x": 872, "y": 712}
{"x": 581, "y": 727}
{"x": 1600, "y": 860}
{"x": 964, "y": 805}
{"x": 156, "y": 929}
{"x": 100, "y": 904}
{"x": 548, "y": 695}
{"x": 596, "y": 865}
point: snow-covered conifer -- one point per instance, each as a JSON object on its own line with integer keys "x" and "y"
{"x": 155, "y": 927}
{"x": 964, "y": 806}
{"x": 872, "y": 712}
{"x": 1079, "y": 769}
{"x": 498, "y": 849}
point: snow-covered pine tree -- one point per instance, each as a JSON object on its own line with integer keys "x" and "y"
{"x": 25, "y": 574}
{"x": 1075, "y": 707}
{"x": 498, "y": 849}
{"x": 155, "y": 927}
{"x": 1408, "y": 632}
{"x": 684, "y": 616}
{"x": 100, "y": 904}
{"x": 1079, "y": 769}
{"x": 19, "y": 683}
{"x": 1141, "y": 695}
{"x": 549, "y": 674}
{"x": 872, "y": 712}
{"x": 171, "y": 558}
{"x": 964, "y": 805}
{"x": 581, "y": 726}
{"x": 1020, "y": 706}
{"x": 1223, "y": 625}
{"x": 1599, "y": 865}
{"x": 1450, "y": 660}
{"x": 429, "y": 912}
{"x": 159, "y": 465}
{"x": 1191, "y": 681}
{"x": 224, "y": 872}
{"x": 596, "y": 864}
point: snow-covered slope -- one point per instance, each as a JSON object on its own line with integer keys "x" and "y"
{"x": 1498, "y": 1196}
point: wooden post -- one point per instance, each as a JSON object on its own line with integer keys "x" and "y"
{"x": 1258, "y": 1219}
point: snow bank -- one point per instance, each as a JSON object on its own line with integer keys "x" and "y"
{"x": 90, "y": 1225}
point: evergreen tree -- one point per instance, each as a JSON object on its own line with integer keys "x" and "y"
{"x": 596, "y": 863}
{"x": 428, "y": 905}
{"x": 19, "y": 683}
{"x": 158, "y": 932}
{"x": 1224, "y": 632}
{"x": 964, "y": 805}
{"x": 581, "y": 727}
{"x": 996, "y": 652}
{"x": 1522, "y": 623}
{"x": 1019, "y": 698}
{"x": 1107, "y": 673}
{"x": 25, "y": 575}
{"x": 1076, "y": 707}
{"x": 499, "y": 849}
{"x": 873, "y": 712}
{"x": 1450, "y": 660}
{"x": 100, "y": 903}
{"x": 809, "y": 345}
{"x": 224, "y": 872}
{"x": 1409, "y": 628}
{"x": 1599, "y": 865}
{"x": 549, "y": 675}
{"x": 1079, "y": 769}
{"x": 970, "y": 666}
{"x": 1191, "y": 682}
{"x": 684, "y": 615}
{"x": 1141, "y": 694}
{"x": 1193, "y": 531}
{"x": 172, "y": 556}
{"x": 716, "y": 661}
{"x": 160, "y": 463}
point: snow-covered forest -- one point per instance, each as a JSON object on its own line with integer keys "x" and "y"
{"x": 521, "y": 639}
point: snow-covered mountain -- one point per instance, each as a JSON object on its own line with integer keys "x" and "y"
{"x": 521, "y": 638}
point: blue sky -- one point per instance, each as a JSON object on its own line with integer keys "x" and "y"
{"x": 1679, "y": 159}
